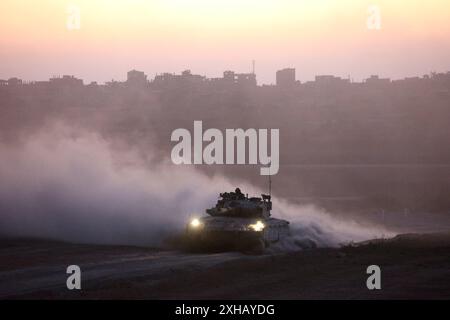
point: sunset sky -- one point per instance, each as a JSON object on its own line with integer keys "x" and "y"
{"x": 210, "y": 36}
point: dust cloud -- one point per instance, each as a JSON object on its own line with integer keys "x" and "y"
{"x": 79, "y": 188}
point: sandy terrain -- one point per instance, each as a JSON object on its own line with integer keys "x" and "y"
{"x": 413, "y": 266}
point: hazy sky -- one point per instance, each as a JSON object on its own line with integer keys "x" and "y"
{"x": 209, "y": 36}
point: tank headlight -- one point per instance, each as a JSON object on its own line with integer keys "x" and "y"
{"x": 258, "y": 226}
{"x": 195, "y": 223}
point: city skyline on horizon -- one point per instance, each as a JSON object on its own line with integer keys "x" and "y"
{"x": 151, "y": 76}
{"x": 101, "y": 40}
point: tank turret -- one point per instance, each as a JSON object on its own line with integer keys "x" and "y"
{"x": 236, "y": 204}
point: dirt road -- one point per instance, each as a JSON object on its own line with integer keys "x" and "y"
{"x": 29, "y": 266}
{"x": 413, "y": 266}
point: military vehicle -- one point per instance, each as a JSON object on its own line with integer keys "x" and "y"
{"x": 237, "y": 222}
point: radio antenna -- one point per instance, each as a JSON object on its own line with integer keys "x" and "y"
{"x": 270, "y": 184}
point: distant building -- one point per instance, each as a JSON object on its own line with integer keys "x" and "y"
{"x": 163, "y": 80}
{"x": 187, "y": 76}
{"x": 114, "y": 84}
{"x": 14, "y": 82}
{"x": 40, "y": 84}
{"x": 240, "y": 79}
{"x": 93, "y": 84}
{"x": 136, "y": 78}
{"x": 229, "y": 77}
{"x": 65, "y": 80}
{"x": 285, "y": 78}
{"x": 246, "y": 79}
{"x": 377, "y": 81}
{"x": 329, "y": 81}
{"x": 440, "y": 76}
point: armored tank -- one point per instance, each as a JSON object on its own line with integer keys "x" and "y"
{"x": 237, "y": 222}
